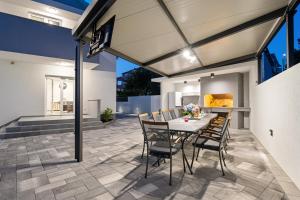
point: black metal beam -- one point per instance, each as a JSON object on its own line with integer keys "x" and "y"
{"x": 259, "y": 20}
{"x": 173, "y": 21}
{"x": 78, "y": 100}
{"x": 90, "y": 17}
{"x": 232, "y": 61}
{"x": 119, "y": 54}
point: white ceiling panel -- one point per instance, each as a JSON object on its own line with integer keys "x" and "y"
{"x": 240, "y": 44}
{"x": 142, "y": 31}
{"x": 174, "y": 64}
{"x": 199, "y": 19}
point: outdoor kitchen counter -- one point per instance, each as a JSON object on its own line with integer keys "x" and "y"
{"x": 234, "y": 109}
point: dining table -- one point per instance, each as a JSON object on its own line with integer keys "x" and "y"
{"x": 187, "y": 127}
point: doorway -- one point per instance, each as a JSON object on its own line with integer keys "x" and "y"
{"x": 59, "y": 95}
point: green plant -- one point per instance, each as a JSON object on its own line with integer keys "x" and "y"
{"x": 107, "y": 115}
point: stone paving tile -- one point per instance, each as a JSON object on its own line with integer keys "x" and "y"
{"x": 43, "y": 168}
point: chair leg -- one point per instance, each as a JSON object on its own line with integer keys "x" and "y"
{"x": 143, "y": 151}
{"x": 198, "y": 154}
{"x": 193, "y": 156}
{"x": 170, "y": 181}
{"x": 221, "y": 160}
{"x": 147, "y": 162}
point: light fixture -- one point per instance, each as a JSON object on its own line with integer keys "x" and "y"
{"x": 187, "y": 54}
{"x": 52, "y": 10}
{"x": 199, "y": 80}
{"x": 212, "y": 75}
{"x": 185, "y": 82}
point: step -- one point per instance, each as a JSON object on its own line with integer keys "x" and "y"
{"x": 46, "y": 132}
{"x": 19, "y": 128}
{"x": 53, "y": 121}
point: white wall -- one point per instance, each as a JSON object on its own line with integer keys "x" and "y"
{"x": 139, "y": 104}
{"x": 187, "y": 89}
{"x": 22, "y": 88}
{"x": 275, "y": 104}
{"x": 165, "y": 87}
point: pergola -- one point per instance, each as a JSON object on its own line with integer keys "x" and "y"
{"x": 178, "y": 37}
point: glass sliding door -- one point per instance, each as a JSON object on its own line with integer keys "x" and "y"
{"x": 59, "y": 95}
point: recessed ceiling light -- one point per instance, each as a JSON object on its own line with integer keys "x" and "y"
{"x": 186, "y": 53}
{"x": 52, "y": 10}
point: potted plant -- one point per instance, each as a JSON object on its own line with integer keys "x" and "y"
{"x": 107, "y": 115}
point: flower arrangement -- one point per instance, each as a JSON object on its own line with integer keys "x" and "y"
{"x": 192, "y": 110}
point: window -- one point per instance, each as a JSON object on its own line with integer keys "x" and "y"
{"x": 45, "y": 19}
{"x": 273, "y": 59}
{"x": 296, "y": 29}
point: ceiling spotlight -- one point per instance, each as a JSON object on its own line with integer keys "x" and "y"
{"x": 52, "y": 10}
{"x": 186, "y": 53}
{"x": 212, "y": 75}
{"x": 185, "y": 82}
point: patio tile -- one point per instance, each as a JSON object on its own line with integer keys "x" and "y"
{"x": 43, "y": 168}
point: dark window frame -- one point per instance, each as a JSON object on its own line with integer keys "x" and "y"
{"x": 288, "y": 19}
{"x": 269, "y": 40}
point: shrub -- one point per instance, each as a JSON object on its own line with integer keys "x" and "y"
{"x": 107, "y": 115}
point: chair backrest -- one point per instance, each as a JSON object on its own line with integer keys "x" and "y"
{"x": 143, "y": 116}
{"x": 157, "y": 117}
{"x": 173, "y": 115}
{"x": 224, "y": 132}
{"x": 160, "y": 130}
{"x": 166, "y": 114}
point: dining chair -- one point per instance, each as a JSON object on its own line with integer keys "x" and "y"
{"x": 172, "y": 114}
{"x": 157, "y": 116}
{"x": 166, "y": 114}
{"x": 142, "y": 117}
{"x": 213, "y": 142}
{"x": 163, "y": 147}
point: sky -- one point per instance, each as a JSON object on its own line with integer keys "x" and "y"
{"x": 124, "y": 66}
{"x": 278, "y": 44}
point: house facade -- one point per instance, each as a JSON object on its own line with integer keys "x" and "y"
{"x": 37, "y": 53}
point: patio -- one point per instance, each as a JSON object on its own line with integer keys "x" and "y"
{"x": 43, "y": 167}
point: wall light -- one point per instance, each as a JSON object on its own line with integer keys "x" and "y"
{"x": 199, "y": 80}
{"x": 185, "y": 82}
{"x": 52, "y": 10}
{"x": 212, "y": 75}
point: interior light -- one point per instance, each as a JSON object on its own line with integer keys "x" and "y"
{"x": 185, "y": 82}
{"x": 212, "y": 75}
{"x": 52, "y": 10}
{"x": 199, "y": 80}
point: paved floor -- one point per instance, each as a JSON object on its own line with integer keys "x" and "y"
{"x": 42, "y": 168}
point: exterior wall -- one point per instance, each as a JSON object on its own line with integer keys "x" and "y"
{"x": 165, "y": 87}
{"x": 30, "y": 37}
{"x": 23, "y": 7}
{"x": 22, "y": 88}
{"x": 275, "y": 105}
{"x": 139, "y": 104}
{"x": 190, "y": 88}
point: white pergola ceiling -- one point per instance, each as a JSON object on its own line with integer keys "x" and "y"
{"x": 143, "y": 31}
